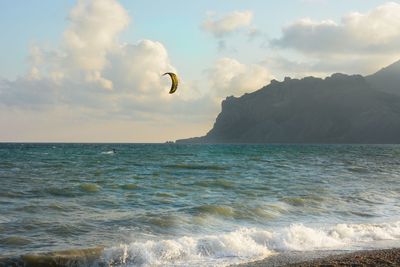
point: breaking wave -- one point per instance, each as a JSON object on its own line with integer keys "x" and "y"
{"x": 248, "y": 244}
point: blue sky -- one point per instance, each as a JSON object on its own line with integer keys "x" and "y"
{"x": 175, "y": 23}
{"x": 218, "y": 48}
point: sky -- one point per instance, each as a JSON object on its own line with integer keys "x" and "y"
{"x": 91, "y": 70}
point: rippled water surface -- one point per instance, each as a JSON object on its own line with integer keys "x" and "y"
{"x": 201, "y": 204}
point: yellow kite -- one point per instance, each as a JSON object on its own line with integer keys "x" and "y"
{"x": 175, "y": 82}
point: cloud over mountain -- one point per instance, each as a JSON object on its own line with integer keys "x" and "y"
{"x": 377, "y": 31}
{"x": 338, "y": 109}
{"x": 230, "y": 77}
{"x": 369, "y": 39}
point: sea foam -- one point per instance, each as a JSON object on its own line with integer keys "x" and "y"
{"x": 248, "y": 244}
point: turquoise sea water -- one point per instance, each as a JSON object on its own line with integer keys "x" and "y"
{"x": 156, "y": 204}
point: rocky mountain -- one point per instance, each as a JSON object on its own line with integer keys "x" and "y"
{"x": 338, "y": 109}
{"x": 387, "y": 79}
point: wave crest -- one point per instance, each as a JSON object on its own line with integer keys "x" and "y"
{"x": 248, "y": 244}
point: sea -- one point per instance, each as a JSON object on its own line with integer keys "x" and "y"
{"x": 195, "y": 205}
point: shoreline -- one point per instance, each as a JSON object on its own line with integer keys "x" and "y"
{"x": 376, "y": 257}
{"x": 332, "y": 258}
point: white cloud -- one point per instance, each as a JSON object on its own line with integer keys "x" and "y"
{"x": 140, "y": 90}
{"x": 369, "y": 41}
{"x": 228, "y": 23}
{"x": 91, "y": 59}
{"x": 138, "y": 68}
{"x": 91, "y": 36}
{"x": 68, "y": 82}
{"x": 230, "y": 77}
{"x": 92, "y": 31}
{"x": 94, "y": 27}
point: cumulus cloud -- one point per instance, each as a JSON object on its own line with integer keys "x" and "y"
{"x": 228, "y": 23}
{"x": 230, "y": 77}
{"x": 91, "y": 79}
{"x": 102, "y": 90}
{"x": 374, "y": 35}
{"x": 139, "y": 90}
{"x": 100, "y": 78}
{"x": 94, "y": 26}
{"x": 138, "y": 67}
{"x": 90, "y": 37}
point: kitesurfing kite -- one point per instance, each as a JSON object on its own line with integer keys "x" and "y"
{"x": 174, "y": 79}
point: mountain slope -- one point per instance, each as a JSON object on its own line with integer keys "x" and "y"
{"x": 387, "y": 79}
{"x": 337, "y": 109}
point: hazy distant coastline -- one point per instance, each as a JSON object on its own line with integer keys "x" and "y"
{"x": 338, "y": 109}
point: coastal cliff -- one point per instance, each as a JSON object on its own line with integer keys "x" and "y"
{"x": 338, "y": 109}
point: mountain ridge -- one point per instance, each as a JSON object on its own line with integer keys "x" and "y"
{"x": 339, "y": 109}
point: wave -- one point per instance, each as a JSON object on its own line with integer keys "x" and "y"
{"x": 249, "y": 244}
{"x": 111, "y": 152}
{"x": 61, "y": 191}
{"x": 130, "y": 186}
{"x": 211, "y": 250}
{"x": 219, "y": 210}
{"x": 261, "y": 213}
{"x": 223, "y": 249}
{"x": 15, "y": 241}
{"x": 90, "y": 187}
{"x": 72, "y": 257}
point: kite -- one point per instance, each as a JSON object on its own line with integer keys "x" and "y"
{"x": 175, "y": 82}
